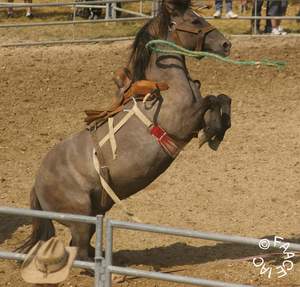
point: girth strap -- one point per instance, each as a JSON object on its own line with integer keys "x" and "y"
{"x": 110, "y": 192}
{"x": 162, "y": 137}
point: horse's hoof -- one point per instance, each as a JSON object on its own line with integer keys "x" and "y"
{"x": 214, "y": 144}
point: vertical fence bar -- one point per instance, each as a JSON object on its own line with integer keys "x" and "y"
{"x": 155, "y": 7}
{"x": 113, "y": 10}
{"x": 108, "y": 252}
{"x": 107, "y": 16}
{"x": 74, "y": 18}
{"x": 141, "y": 6}
{"x": 255, "y": 20}
{"x": 98, "y": 253}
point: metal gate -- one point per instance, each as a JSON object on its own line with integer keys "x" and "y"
{"x": 103, "y": 266}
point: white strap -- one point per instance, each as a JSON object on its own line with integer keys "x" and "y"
{"x": 141, "y": 116}
{"x": 117, "y": 127}
{"x": 110, "y": 192}
{"x": 112, "y": 138}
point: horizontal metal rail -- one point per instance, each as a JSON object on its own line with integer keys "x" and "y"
{"x": 61, "y": 4}
{"x": 91, "y": 6}
{"x": 195, "y": 234}
{"x": 97, "y": 220}
{"x": 142, "y": 17}
{"x": 21, "y": 257}
{"x": 104, "y": 40}
{"x": 254, "y": 17}
{"x": 47, "y": 215}
{"x": 77, "y": 22}
{"x": 130, "y": 12}
{"x": 62, "y": 42}
{"x": 171, "y": 278}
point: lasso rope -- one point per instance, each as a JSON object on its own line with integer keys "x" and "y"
{"x": 158, "y": 46}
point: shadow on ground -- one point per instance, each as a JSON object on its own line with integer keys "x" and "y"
{"x": 9, "y": 224}
{"x": 179, "y": 254}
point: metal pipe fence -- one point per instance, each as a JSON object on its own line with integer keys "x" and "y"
{"x": 110, "y": 268}
{"x": 103, "y": 267}
{"x": 97, "y": 266}
{"x": 111, "y": 9}
{"x": 61, "y": 4}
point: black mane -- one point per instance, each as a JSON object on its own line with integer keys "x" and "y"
{"x": 156, "y": 28}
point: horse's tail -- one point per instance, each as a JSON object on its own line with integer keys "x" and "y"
{"x": 42, "y": 229}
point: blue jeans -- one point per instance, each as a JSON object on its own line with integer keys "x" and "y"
{"x": 219, "y": 5}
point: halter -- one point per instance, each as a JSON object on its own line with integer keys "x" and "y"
{"x": 201, "y": 32}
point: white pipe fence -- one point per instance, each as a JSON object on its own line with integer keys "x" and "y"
{"x": 98, "y": 221}
{"x": 103, "y": 267}
{"x": 111, "y": 9}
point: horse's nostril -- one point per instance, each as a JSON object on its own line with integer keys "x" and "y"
{"x": 226, "y": 45}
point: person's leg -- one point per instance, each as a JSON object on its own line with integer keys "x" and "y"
{"x": 218, "y": 7}
{"x": 268, "y": 27}
{"x": 256, "y": 10}
{"x": 274, "y": 10}
{"x": 283, "y": 8}
{"x": 229, "y": 13}
{"x": 228, "y": 5}
{"x": 10, "y": 11}
{"x": 29, "y": 9}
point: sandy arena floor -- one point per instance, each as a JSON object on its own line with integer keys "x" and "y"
{"x": 250, "y": 187}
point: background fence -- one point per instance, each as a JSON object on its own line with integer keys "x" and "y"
{"x": 113, "y": 11}
{"x": 103, "y": 267}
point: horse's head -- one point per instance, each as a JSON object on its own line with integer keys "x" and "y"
{"x": 191, "y": 31}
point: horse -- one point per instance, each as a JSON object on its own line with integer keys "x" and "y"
{"x": 67, "y": 180}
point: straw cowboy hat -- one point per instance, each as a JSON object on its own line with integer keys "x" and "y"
{"x": 48, "y": 262}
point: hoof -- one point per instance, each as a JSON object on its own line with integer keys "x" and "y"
{"x": 214, "y": 144}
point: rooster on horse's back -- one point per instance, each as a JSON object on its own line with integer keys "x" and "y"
{"x": 136, "y": 140}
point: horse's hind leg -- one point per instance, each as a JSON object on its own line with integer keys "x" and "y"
{"x": 81, "y": 236}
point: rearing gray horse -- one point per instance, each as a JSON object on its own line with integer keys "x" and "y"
{"x": 67, "y": 180}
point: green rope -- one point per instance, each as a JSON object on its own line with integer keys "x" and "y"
{"x": 175, "y": 49}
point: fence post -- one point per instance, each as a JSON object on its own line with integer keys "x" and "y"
{"x": 255, "y": 20}
{"x": 108, "y": 11}
{"x": 155, "y": 7}
{"x": 108, "y": 252}
{"x": 99, "y": 270}
{"x": 113, "y": 10}
{"x": 141, "y": 6}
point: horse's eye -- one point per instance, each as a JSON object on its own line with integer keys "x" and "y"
{"x": 196, "y": 21}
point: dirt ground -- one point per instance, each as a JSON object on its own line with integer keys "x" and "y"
{"x": 249, "y": 187}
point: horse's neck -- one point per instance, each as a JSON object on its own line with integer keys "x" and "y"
{"x": 180, "y": 114}
{"x": 170, "y": 68}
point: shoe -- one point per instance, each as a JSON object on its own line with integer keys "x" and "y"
{"x": 275, "y": 31}
{"x": 10, "y": 15}
{"x": 29, "y": 15}
{"x": 217, "y": 14}
{"x": 231, "y": 15}
{"x": 282, "y": 32}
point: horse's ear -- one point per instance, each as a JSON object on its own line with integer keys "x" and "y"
{"x": 175, "y": 6}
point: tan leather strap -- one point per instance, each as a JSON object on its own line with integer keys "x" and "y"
{"x": 110, "y": 192}
{"x": 103, "y": 172}
{"x": 112, "y": 138}
{"x": 201, "y": 32}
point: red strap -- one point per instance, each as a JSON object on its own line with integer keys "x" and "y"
{"x": 165, "y": 140}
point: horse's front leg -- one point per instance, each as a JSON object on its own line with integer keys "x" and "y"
{"x": 216, "y": 120}
{"x": 225, "y": 109}
{"x": 210, "y": 114}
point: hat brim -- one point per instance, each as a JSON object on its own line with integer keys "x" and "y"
{"x": 31, "y": 274}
